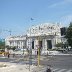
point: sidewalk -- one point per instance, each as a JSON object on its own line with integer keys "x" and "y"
{"x": 55, "y": 53}
{"x": 12, "y": 67}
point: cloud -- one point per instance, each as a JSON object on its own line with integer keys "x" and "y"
{"x": 61, "y": 3}
{"x": 55, "y": 4}
{"x": 66, "y": 19}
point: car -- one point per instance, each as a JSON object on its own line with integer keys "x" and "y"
{"x": 17, "y": 49}
{"x": 2, "y": 52}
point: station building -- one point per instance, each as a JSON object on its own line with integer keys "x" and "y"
{"x": 44, "y": 36}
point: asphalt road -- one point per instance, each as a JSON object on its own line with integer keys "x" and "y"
{"x": 59, "y": 61}
{"x": 63, "y": 61}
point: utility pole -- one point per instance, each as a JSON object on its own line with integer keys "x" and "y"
{"x": 38, "y": 51}
{"x": 30, "y": 51}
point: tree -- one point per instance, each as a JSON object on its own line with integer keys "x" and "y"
{"x": 13, "y": 48}
{"x": 59, "y": 44}
{"x": 2, "y": 45}
{"x": 8, "y": 47}
{"x": 68, "y": 35}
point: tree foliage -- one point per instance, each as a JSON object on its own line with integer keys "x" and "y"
{"x": 59, "y": 45}
{"x": 8, "y": 47}
{"x": 69, "y": 35}
{"x": 2, "y": 45}
{"x": 13, "y": 48}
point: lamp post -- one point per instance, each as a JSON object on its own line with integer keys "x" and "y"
{"x": 23, "y": 50}
{"x": 30, "y": 51}
{"x": 38, "y": 57}
{"x": 38, "y": 51}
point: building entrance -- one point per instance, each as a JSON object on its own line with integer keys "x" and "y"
{"x": 32, "y": 44}
{"x": 49, "y": 44}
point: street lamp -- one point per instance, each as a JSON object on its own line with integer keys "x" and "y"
{"x": 30, "y": 51}
{"x": 38, "y": 51}
{"x": 23, "y": 50}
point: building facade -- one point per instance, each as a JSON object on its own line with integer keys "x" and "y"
{"x": 43, "y": 36}
{"x": 16, "y": 41}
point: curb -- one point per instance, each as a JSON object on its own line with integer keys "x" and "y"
{"x": 60, "y": 54}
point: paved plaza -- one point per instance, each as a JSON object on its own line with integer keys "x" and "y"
{"x": 57, "y": 63}
{"x": 12, "y": 67}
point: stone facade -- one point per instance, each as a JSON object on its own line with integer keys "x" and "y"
{"x": 43, "y": 36}
{"x": 17, "y": 41}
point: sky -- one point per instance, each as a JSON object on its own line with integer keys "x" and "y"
{"x": 15, "y": 15}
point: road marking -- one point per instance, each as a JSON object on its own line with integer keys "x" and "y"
{"x": 54, "y": 70}
{"x": 15, "y": 60}
{"x": 62, "y": 70}
{"x": 69, "y": 70}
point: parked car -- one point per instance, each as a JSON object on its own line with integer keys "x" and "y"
{"x": 2, "y": 52}
{"x": 17, "y": 49}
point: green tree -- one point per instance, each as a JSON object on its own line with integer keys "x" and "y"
{"x": 2, "y": 45}
{"x": 8, "y": 47}
{"x": 68, "y": 35}
{"x": 59, "y": 44}
{"x": 13, "y": 48}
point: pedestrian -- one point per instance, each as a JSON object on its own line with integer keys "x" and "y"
{"x": 13, "y": 55}
{"x": 8, "y": 55}
{"x": 48, "y": 69}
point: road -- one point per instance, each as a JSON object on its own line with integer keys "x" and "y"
{"x": 63, "y": 61}
{"x": 58, "y": 61}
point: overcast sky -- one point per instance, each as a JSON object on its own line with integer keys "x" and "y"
{"x": 15, "y": 15}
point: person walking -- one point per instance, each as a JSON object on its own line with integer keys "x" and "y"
{"x": 13, "y": 55}
{"x": 8, "y": 55}
{"x": 48, "y": 69}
